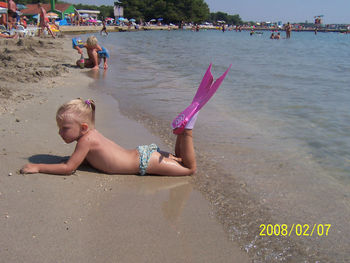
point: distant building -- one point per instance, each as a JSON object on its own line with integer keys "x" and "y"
{"x": 89, "y": 13}
{"x": 118, "y": 9}
{"x": 61, "y": 9}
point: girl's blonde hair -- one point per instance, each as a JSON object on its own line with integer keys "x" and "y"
{"x": 91, "y": 41}
{"x": 78, "y": 110}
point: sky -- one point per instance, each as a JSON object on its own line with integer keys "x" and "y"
{"x": 334, "y": 11}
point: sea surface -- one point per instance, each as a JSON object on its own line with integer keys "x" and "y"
{"x": 273, "y": 144}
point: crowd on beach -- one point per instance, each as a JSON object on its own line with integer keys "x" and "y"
{"x": 12, "y": 23}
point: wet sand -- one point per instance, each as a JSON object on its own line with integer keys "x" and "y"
{"x": 88, "y": 216}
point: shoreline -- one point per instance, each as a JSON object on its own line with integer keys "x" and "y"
{"x": 94, "y": 29}
{"x": 89, "y": 216}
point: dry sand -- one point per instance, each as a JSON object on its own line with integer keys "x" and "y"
{"x": 89, "y": 216}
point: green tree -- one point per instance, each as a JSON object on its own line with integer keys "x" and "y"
{"x": 105, "y": 11}
{"x": 170, "y": 10}
{"x": 134, "y": 8}
{"x": 229, "y": 19}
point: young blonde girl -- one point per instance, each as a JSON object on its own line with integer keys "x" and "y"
{"x": 95, "y": 53}
{"x": 76, "y": 122}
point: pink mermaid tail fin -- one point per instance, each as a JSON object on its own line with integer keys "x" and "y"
{"x": 213, "y": 89}
{"x": 204, "y": 93}
{"x": 205, "y": 84}
{"x": 181, "y": 120}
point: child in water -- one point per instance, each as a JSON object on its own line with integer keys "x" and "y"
{"x": 76, "y": 122}
{"x": 94, "y": 50}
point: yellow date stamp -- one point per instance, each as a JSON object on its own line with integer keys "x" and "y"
{"x": 321, "y": 230}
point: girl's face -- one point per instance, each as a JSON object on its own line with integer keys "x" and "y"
{"x": 69, "y": 129}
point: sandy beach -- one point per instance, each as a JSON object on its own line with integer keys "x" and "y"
{"x": 88, "y": 216}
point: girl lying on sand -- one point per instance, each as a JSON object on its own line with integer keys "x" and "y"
{"x": 76, "y": 122}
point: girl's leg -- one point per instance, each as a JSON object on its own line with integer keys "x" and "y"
{"x": 92, "y": 61}
{"x": 95, "y": 59}
{"x": 186, "y": 150}
{"x": 87, "y": 63}
{"x": 39, "y": 30}
{"x": 177, "y": 145}
{"x": 105, "y": 65}
{"x": 179, "y": 139}
{"x": 162, "y": 165}
{"x": 50, "y": 31}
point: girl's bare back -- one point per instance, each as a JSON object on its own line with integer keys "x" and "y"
{"x": 107, "y": 156}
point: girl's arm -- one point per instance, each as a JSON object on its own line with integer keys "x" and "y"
{"x": 105, "y": 65}
{"x": 98, "y": 48}
{"x": 80, "y": 51}
{"x": 78, "y": 156}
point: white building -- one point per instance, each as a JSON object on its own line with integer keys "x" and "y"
{"x": 89, "y": 13}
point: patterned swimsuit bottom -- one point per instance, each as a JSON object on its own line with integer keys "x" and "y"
{"x": 145, "y": 152}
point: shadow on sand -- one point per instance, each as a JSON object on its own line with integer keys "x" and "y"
{"x": 54, "y": 159}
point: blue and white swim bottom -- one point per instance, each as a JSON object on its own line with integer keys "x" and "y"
{"x": 145, "y": 152}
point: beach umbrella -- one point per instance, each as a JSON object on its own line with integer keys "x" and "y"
{"x": 153, "y": 20}
{"x": 121, "y": 18}
{"x": 132, "y": 20}
{"x": 3, "y": 10}
{"x": 3, "y": 4}
{"x": 52, "y": 15}
{"x": 160, "y": 19}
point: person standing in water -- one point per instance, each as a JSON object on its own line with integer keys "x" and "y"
{"x": 288, "y": 29}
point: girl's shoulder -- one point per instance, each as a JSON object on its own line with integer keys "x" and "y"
{"x": 98, "y": 47}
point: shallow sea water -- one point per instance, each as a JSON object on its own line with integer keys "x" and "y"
{"x": 274, "y": 142}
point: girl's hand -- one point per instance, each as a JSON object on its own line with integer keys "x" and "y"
{"x": 30, "y": 168}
